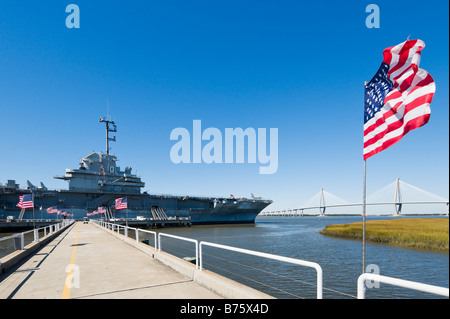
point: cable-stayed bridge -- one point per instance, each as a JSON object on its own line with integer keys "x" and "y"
{"x": 398, "y": 197}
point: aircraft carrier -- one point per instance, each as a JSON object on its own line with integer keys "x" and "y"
{"x": 98, "y": 182}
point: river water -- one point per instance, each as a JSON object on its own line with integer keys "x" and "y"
{"x": 298, "y": 237}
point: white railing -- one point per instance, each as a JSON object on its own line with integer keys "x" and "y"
{"x": 181, "y": 238}
{"x": 274, "y": 257}
{"x": 400, "y": 283}
{"x": 19, "y": 238}
{"x": 116, "y": 227}
{"x": 137, "y": 230}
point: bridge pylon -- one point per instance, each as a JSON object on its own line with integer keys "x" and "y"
{"x": 398, "y": 198}
{"x": 322, "y": 205}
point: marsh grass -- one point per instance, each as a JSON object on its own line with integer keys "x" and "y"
{"x": 421, "y": 233}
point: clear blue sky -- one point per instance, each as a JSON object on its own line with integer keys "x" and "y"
{"x": 291, "y": 65}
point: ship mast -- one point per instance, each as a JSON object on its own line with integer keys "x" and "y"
{"x": 108, "y": 129}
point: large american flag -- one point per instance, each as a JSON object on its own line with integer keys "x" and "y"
{"x": 25, "y": 201}
{"x": 397, "y": 99}
{"x": 121, "y": 203}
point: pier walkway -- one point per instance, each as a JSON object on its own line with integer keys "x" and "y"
{"x": 95, "y": 264}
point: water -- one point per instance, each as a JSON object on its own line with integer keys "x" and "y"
{"x": 297, "y": 237}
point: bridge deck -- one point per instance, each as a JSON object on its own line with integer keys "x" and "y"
{"x": 104, "y": 268}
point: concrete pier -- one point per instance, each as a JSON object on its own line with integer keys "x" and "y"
{"x": 87, "y": 261}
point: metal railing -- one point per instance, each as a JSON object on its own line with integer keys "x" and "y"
{"x": 117, "y": 228}
{"x": 400, "y": 283}
{"x": 30, "y": 220}
{"x": 19, "y": 238}
{"x": 181, "y": 238}
{"x": 137, "y": 230}
{"x": 274, "y": 257}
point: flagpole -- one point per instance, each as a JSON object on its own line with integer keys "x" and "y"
{"x": 364, "y": 212}
{"x": 32, "y": 200}
{"x": 364, "y": 221}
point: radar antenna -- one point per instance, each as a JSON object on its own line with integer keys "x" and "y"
{"x": 108, "y": 130}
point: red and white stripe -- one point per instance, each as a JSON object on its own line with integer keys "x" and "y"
{"x": 121, "y": 203}
{"x": 52, "y": 210}
{"x": 407, "y": 106}
{"x": 24, "y": 205}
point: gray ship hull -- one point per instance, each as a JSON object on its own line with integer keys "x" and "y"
{"x": 201, "y": 210}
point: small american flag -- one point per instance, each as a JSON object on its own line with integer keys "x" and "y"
{"x": 397, "y": 99}
{"x": 25, "y": 201}
{"x": 121, "y": 203}
{"x": 52, "y": 210}
{"x": 101, "y": 210}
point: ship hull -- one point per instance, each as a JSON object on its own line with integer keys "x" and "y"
{"x": 200, "y": 210}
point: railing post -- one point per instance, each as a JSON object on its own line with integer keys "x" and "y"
{"x": 319, "y": 282}
{"x": 36, "y": 235}
{"x": 201, "y": 256}
{"x": 19, "y": 242}
{"x": 22, "y": 241}
{"x": 137, "y": 234}
{"x": 158, "y": 247}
